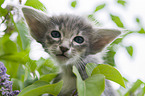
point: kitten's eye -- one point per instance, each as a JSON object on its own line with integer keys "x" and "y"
{"x": 79, "y": 39}
{"x": 55, "y": 34}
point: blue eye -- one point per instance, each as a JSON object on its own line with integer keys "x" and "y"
{"x": 55, "y": 34}
{"x": 79, "y": 39}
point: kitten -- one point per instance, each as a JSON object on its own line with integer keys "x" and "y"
{"x": 70, "y": 40}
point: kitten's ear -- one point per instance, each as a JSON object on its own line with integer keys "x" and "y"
{"x": 101, "y": 38}
{"x": 37, "y": 22}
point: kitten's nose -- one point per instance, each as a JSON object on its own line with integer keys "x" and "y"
{"x": 63, "y": 49}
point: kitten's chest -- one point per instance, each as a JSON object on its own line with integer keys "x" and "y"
{"x": 69, "y": 83}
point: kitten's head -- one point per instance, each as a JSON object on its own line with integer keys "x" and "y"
{"x": 67, "y": 37}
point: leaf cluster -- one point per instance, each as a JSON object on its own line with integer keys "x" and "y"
{"x": 34, "y": 76}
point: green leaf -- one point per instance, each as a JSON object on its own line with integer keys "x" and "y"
{"x": 29, "y": 78}
{"x": 9, "y": 46}
{"x": 137, "y": 20}
{"x": 22, "y": 39}
{"x": 1, "y": 47}
{"x": 41, "y": 87}
{"x": 43, "y": 61}
{"x": 109, "y": 58}
{"x": 95, "y": 85}
{"x": 92, "y": 86}
{"x": 48, "y": 77}
{"x": 92, "y": 18}
{"x": 17, "y": 84}
{"x": 100, "y": 7}
{"x": 135, "y": 86}
{"x": 142, "y": 93}
{"x": 19, "y": 42}
{"x": 31, "y": 64}
{"x": 122, "y": 2}
{"x": 36, "y": 4}
{"x": 1, "y": 2}
{"x": 73, "y": 4}
{"x": 46, "y": 66}
{"x": 89, "y": 68}
{"x": 117, "y": 41}
{"x": 117, "y": 21}
{"x": 21, "y": 72}
{"x": 110, "y": 73}
{"x": 3, "y": 12}
{"x": 130, "y": 50}
{"x": 21, "y": 57}
{"x": 80, "y": 83}
{"x": 141, "y": 31}
{"x": 12, "y": 68}
{"x": 23, "y": 32}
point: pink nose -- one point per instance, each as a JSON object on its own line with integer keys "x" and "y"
{"x": 63, "y": 49}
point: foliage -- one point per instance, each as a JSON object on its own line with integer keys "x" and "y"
{"x": 73, "y": 4}
{"x": 36, "y": 4}
{"x": 110, "y": 73}
{"x": 117, "y": 20}
{"x": 122, "y": 2}
{"x": 15, "y": 55}
{"x": 100, "y": 7}
{"x": 31, "y": 76}
{"x": 41, "y": 87}
{"x": 95, "y": 83}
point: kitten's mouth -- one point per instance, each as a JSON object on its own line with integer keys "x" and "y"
{"x": 62, "y": 55}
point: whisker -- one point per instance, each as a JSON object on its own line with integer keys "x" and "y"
{"x": 81, "y": 67}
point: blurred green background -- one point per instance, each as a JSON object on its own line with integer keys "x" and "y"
{"x": 26, "y": 62}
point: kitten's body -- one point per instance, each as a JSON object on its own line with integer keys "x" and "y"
{"x": 71, "y": 41}
{"x": 70, "y": 80}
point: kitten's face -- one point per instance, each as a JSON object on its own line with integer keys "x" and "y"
{"x": 67, "y": 38}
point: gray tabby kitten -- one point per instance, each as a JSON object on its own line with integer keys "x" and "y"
{"x": 70, "y": 40}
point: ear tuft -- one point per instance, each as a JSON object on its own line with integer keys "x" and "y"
{"x": 37, "y": 22}
{"x": 101, "y": 38}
